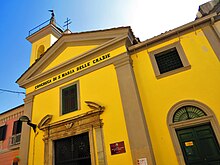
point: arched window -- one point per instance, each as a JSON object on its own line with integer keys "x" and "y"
{"x": 40, "y": 51}
{"x": 187, "y": 113}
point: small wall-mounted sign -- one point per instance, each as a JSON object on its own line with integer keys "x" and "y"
{"x": 117, "y": 148}
{"x": 142, "y": 161}
{"x": 190, "y": 143}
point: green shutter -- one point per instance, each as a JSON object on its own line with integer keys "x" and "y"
{"x": 69, "y": 99}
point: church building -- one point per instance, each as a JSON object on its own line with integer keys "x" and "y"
{"x": 105, "y": 98}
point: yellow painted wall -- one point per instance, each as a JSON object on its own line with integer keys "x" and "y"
{"x": 69, "y": 53}
{"x": 96, "y": 86}
{"x": 77, "y": 49}
{"x": 200, "y": 83}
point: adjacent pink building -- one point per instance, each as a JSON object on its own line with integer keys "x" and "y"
{"x": 10, "y": 134}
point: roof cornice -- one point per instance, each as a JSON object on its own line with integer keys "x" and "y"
{"x": 49, "y": 29}
{"x": 173, "y": 32}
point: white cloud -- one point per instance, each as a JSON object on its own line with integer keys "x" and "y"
{"x": 150, "y": 18}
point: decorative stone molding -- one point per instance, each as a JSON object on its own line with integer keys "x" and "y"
{"x": 11, "y": 116}
{"x": 46, "y": 120}
{"x": 172, "y": 126}
{"x": 95, "y": 106}
{"x": 86, "y": 122}
{"x": 69, "y": 125}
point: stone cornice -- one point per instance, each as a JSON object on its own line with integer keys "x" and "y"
{"x": 11, "y": 116}
{"x": 74, "y": 118}
{"x": 49, "y": 29}
{"x": 175, "y": 32}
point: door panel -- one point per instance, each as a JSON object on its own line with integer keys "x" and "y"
{"x": 208, "y": 142}
{"x": 199, "y": 145}
{"x": 189, "y": 146}
{"x": 73, "y": 150}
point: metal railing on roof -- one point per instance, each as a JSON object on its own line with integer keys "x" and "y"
{"x": 37, "y": 28}
{"x": 34, "y": 30}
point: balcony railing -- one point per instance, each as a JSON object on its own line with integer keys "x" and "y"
{"x": 15, "y": 139}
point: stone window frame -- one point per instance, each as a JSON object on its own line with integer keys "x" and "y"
{"x": 78, "y": 97}
{"x": 210, "y": 118}
{"x": 182, "y": 56}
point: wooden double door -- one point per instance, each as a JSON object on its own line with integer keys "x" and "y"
{"x": 73, "y": 150}
{"x": 199, "y": 145}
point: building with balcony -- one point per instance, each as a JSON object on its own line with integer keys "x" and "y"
{"x": 103, "y": 97}
{"x": 10, "y": 135}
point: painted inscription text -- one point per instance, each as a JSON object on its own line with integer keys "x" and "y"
{"x": 72, "y": 71}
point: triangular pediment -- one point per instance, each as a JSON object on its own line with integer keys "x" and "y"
{"x": 71, "y": 50}
{"x": 74, "y": 47}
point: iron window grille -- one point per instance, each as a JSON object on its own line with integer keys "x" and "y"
{"x": 187, "y": 113}
{"x": 168, "y": 60}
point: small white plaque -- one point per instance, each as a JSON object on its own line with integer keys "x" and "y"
{"x": 142, "y": 161}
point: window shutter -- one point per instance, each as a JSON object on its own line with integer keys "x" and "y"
{"x": 69, "y": 99}
{"x": 3, "y": 132}
{"x": 17, "y": 127}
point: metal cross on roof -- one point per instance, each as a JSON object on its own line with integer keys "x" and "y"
{"x": 67, "y": 22}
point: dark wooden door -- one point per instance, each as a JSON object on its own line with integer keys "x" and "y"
{"x": 73, "y": 150}
{"x": 199, "y": 145}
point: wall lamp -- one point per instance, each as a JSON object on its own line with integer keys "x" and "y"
{"x": 26, "y": 119}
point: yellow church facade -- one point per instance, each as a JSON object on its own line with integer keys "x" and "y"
{"x": 191, "y": 87}
{"x": 103, "y": 97}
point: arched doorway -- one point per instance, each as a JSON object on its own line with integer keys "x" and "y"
{"x": 195, "y": 133}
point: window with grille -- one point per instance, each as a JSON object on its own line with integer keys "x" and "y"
{"x": 3, "y": 132}
{"x": 168, "y": 60}
{"x": 73, "y": 150}
{"x": 69, "y": 99}
{"x": 187, "y": 113}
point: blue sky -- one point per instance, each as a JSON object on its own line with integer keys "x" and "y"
{"x": 146, "y": 18}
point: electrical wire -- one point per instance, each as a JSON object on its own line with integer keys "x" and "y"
{"x": 10, "y": 91}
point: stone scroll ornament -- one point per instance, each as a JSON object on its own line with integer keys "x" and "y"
{"x": 94, "y": 106}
